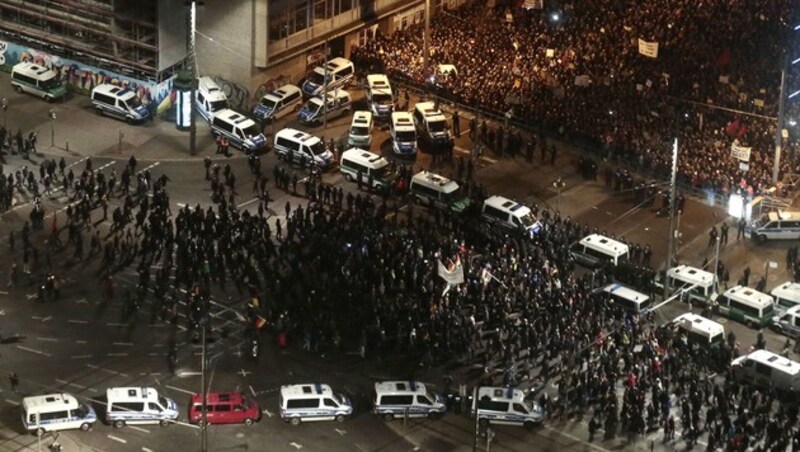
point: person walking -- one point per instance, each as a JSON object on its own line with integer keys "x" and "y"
{"x": 712, "y": 236}
{"x": 724, "y": 233}
{"x": 740, "y": 226}
{"x": 13, "y": 379}
{"x": 456, "y": 124}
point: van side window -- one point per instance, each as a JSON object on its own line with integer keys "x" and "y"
{"x": 397, "y": 400}
{"x": 224, "y": 408}
{"x": 495, "y": 213}
{"x": 291, "y": 98}
{"x": 797, "y": 320}
{"x": 426, "y": 191}
{"x": 201, "y": 97}
{"x": 772, "y": 225}
{"x": 52, "y": 416}
{"x": 345, "y": 72}
{"x": 519, "y": 408}
{"x": 24, "y": 78}
{"x": 355, "y": 166}
{"x": 128, "y": 406}
{"x": 302, "y": 403}
{"x": 104, "y": 98}
{"x": 153, "y": 407}
{"x": 763, "y": 369}
{"x": 422, "y": 400}
{"x": 330, "y": 403}
{"x": 790, "y": 224}
{"x": 493, "y": 405}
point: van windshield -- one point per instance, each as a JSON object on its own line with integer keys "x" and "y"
{"x": 359, "y": 131}
{"x": 437, "y": 126}
{"x": 219, "y": 105}
{"x": 81, "y": 411}
{"x": 133, "y": 103}
{"x": 269, "y": 103}
{"x": 50, "y": 83}
{"x": 405, "y": 136}
{"x": 528, "y": 220}
{"x": 251, "y": 131}
{"x": 381, "y": 98}
{"x": 316, "y": 78}
{"x": 312, "y": 107}
{"x": 318, "y": 148}
{"x": 528, "y": 405}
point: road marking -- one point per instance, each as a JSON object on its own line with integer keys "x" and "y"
{"x": 149, "y": 167}
{"x": 63, "y": 382}
{"x": 139, "y": 429}
{"x": 116, "y": 324}
{"x": 13, "y": 402}
{"x": 82, "y": 322}
{"x": 123, "y": 441}
{"x": 575, "y": 438}
{"x": 180, "y": 390}
{"x": 47, "y": 339}
{"x": 80, "y": 341}
{"x": 32, "y": 350}
{"x": 82, "y": 301}
{"x": 75, "y": 163}
{"x": 31, "y": 296}
{"x": 244, "y": 373}
{"x": 252, "y": 391}
{"x": 3, "y": 312}
{"x": 117, "y": 354}
{"x": 81, "y": 356}
{"x": 129, "y": 344}
{"x": 144, "y": 449}
{"x": 153, "y": 353}
{"x": 247, "y": 202}
{"x": 266, "y": 411}
{"x": 295, "y": 445}
{"x": 341, "y": 432}
{"x": 2, "y": 292}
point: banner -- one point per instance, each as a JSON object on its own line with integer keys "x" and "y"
{"x": 740, "y": 152}
{"x": 454, "y": 275}
{"x": 648, "y": 49}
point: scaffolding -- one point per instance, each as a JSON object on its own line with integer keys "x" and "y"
{"x": 121, "y": 35}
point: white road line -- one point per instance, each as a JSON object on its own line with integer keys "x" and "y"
{"x": 75, "y": 163}
{"x": 116, "y": 324}
{"x": 341, "y": 432}
{"x": 80, "y": 341}
{"x": 153, "y": 353}
{"x": 295, "y": 445}
{"x": 144, "y": 430}
{"x": 266, "y": 411}
{"x": 117, "y": 354}
{"x": 63, "y": 382}
{"x": 2, "y": 292}
{"x": 180, "y": 390}
{"x": 144, "y": 449}
{"x": 123, "y": 343}
{"x": 123, "y": 441}
{"x": 149, "y": 167}
{"x": 247, "y": 202}
{"x": 47, "y": 339}
{"x": 81, "y": 356}
{"x": 33, "y": 350}
{"x": 82, "y": 322}
{"x": 252, "y": 391}
{"x": 13, "y": 402}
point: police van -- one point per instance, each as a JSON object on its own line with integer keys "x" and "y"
{"x": 139, "y": 406}
{"x": 699, "y": 330}
{"x": 209, "y": 98}
{"x": 369, "y": 165}
{"x": 54, "y": 412}
{"x": 437, "y": 191}
{"x": 403, "y": 133}
{"x": 493, "y": 405}
{"x": 296, "y": 146}
{"x": 780, "y": 225}
{"x": 313, "y": 402}
{"x": 510, "y": 215}
{"x": 40, "y": 81}
{"x": 788, "y": 323}
{"x": 431, "y": 124}
{"x": 241, "y": 131}
{"x": 787, "y": 296}
{"x": 380, "y": 96}
{"x": 695, "y": 284}
{"x": 628, "y": 299}
{"x": 340, "y": 73}
{"x": 596, "y": 250}
{"x": 746, "y": 305}
{"x": 314, "y": 111}
{"x": 119, "y": 102}
{"x": 278, "y": 103}
{"x": 393, "y": 399}
{"x": 360, "y": 130}
{"x": 768, "y": 370}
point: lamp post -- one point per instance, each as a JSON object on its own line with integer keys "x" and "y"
{"x": 192, "y": 61}
{"x": 426, "y": 48}
{"x": 672, "y": 229}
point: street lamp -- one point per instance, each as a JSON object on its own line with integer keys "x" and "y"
{"x": 192, "y": 61}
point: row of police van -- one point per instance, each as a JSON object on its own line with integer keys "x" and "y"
{"x": 779, "y": 309}
{"x": 297, "y": 403}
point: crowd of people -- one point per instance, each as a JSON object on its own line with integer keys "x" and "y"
{"x": 578, "y": 72}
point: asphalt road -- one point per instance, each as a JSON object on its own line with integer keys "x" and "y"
{"x": 81, "y": 345}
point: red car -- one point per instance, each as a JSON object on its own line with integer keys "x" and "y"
{"x": 224, "y": 408}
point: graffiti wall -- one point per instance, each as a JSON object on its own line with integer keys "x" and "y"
{"x": 239, "y": 96}
{"x": 82, "y": 77}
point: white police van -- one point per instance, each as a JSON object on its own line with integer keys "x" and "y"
{"x": 139, "y": 406}
{"x": 596, "y": 250}
{"x": 788, "y": 323}
{"x": 398, "y": 399}
{"x": 300, "y": 147}
{"x": 694, "y": 283}
{"x": 314, "y": 111}
{"x": 241, "y": 131}
{"x": 746, "y": 305}
{"x": 209, "y": 98}
{"x": 278, "y": 103}
{"x": 780, "y": 225}
{"x": 437, "y": 191}
{"x": 403, "y": 133}
{"x": 119, "y": 102}
{"x": 786, "y": 296}
{"x": 380, "y": 96}
{"x": 360, "y": 130}
{"x": 340, "y": 72}
{"x": 494, "y": 405}
{"x": 54, "y": 412}
{"x": 27, "y": 77}
{"x": 700, "y": 330}
{"x": 768, "y": 370}
{"x": 628, "y": 299}
{"x": 313, "y": 402}
{"x": 510, "y": 214}
{"x": 357, "y": 161}
{"x": 431, "y": 123}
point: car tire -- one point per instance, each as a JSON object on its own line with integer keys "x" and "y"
{"x": 128, "y": 120}
{"x": 388, "y": 417}
{"x": 248, "y": 421}
{"x": 295, "y": 421}
{"x": 99, "y": 111}
{"x": 163, "y": 423}
{"x": 761, "y": 239}
{"x": 750, "y": 324}
{"x": 18, "y": 88}
{"x": 339, "y": 418}
{"x": 483, "y": 423}
{"x": 119, "y": 423}
{"x": 348, "y": 177}
{"x": 434, "y": 415}
{"x": 39, "y": 431}
{"x": 417, "y": 201}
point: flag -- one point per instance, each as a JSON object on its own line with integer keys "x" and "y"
{"x": 260, "y": 322}
{"x": 453, "y": 275}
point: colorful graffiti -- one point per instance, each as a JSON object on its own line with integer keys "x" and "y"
{"x": 83, "y": 77}
{"x": 238, "y": 95}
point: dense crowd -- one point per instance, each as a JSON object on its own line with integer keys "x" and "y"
{"x": 633, "y": 106}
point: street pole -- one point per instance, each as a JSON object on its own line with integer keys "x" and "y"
{"x": 426, "y": 48}
{"x": 193, "y": 70}
{"x": 779, "y": 128}
{"x": 716, "y": 264}
{"x": 671, "y": 243}
{"x": 325, "y": 90}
